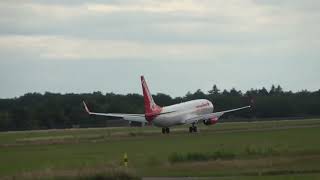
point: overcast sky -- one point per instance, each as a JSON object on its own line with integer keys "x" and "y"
{"x": 84, "y": 46}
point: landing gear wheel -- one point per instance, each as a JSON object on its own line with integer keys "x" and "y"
{"x": 195, "y": 129}
{"x": 163, "y": 130}
{"x": 167, "y": 130}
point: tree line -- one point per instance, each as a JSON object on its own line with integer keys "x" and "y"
{"x": 55, "y": 110}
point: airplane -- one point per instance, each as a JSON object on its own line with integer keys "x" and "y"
{"x": 190, "y": 112}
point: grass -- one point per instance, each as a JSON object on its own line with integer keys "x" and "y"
{"x": 253, "y": 149}
{"x": 81, "y": 174}
{"x": 198, "y": 156}
{"x": 222, "y": 154}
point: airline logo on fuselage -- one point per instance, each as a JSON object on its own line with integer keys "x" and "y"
{"x": 203, "y": 105}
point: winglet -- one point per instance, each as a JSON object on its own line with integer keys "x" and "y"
{"x": 86, "y": 107}
{"x": 252, "y": 102}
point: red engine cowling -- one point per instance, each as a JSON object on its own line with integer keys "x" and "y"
{"x": 211, "y": 121}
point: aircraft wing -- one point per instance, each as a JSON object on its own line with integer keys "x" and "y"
{"x": 218, "y": 114}
{"x": 128, "y": 117}
{"x": 215, "y": 115}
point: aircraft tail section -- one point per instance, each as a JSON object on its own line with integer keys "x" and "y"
{"x": 150, "y": 107}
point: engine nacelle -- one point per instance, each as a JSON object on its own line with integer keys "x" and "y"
{"x": 211, "y": 121}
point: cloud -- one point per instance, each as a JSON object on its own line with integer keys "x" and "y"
{"x": 225, "y": 37}
{"x": 50, "y": 47}
{"x": 156, "y": 21}
{"x": 152, "y": 29}
{"x": 183, "y": 6}
{"x": 68, "y": 48}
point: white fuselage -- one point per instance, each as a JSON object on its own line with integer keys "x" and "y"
{"x": 183, "y": 113}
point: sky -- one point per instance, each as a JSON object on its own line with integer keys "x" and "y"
{"x": 81, "y": 46}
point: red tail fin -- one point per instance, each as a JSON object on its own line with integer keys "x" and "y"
{"x": 150, "y": 107}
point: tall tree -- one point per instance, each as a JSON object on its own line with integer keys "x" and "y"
{"x": 214, "y": 91}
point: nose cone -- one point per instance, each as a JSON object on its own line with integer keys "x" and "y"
{"x": 211, "y": 105}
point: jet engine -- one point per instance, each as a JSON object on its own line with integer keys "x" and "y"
{"x": 211, "y": 121}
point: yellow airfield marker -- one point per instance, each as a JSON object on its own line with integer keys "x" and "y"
{"x": 125, "y": 159}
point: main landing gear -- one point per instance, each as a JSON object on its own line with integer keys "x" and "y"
{"x": 193, "y": 128}
{"x": 165, "y": 130}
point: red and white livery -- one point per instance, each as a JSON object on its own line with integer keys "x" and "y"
{"x": 190, "y": 112}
